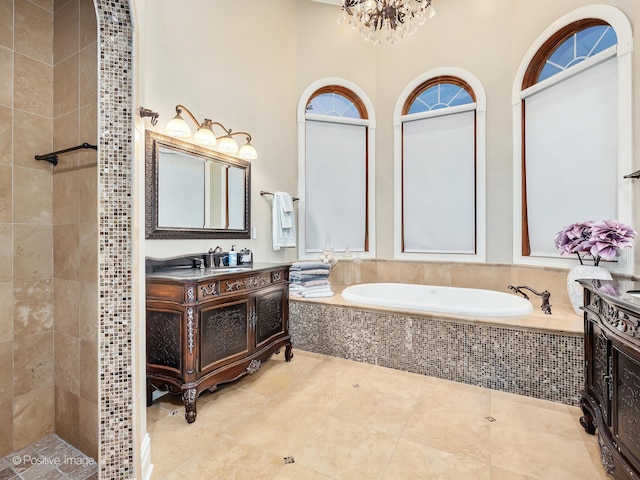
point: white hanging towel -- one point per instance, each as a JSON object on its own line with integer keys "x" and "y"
{"x": 283, "y": 224}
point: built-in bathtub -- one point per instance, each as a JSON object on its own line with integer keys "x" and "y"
{"x": 437, "y": 299}
{"x": 533, "y": 354}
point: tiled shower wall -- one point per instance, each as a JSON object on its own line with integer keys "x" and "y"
{"x": 48, "y": 244}
{"x": 27, "y": 392}
{"x": 75, "y": 225}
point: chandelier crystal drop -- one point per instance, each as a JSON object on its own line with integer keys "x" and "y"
{"x": 389, "y": 20}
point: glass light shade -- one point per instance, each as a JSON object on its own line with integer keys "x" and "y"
{"x": 177, "y": 127}
{"x": 248, "y": 152}
{"x": 228, "y": 145}
{"x": 204, "y": 136}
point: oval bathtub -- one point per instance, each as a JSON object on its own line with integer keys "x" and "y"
{"x": 454, "y": 300}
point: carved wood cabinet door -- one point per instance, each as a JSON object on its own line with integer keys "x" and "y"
{"x": 224, "y": 332}
{"x": 600, "y": 369}
{"x": 627, "y": 406}
{"x": 270, "y": 320}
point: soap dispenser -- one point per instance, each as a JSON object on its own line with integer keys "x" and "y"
{"x": 233, "y": 256}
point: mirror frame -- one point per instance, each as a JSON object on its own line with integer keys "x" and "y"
{"x": 153, "y": 142}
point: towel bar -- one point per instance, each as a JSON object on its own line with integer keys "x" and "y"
{"x": 263, "y": 193}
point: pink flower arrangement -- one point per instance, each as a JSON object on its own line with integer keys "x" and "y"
{"x": 602, "y": 240}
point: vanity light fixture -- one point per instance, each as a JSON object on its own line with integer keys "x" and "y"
{"x": 178, "y": 127}
{"x": 146, "y": 112}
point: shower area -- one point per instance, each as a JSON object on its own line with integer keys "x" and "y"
{"x": 48, "y": 224}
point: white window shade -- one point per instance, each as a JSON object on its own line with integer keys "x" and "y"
{"x": 438, "y": 187}
{"x": 335, "y": 190}
{"x": 571, "y": 154}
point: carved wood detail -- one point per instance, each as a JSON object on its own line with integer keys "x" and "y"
{"x": 270, "y": 313}
{"x": 163, "y": 338}
{"x": 209, "y": 289}
{"x": 611, "y": 397}
{"x": 620, "y": 320}
{"x": 252, "y": 281}
{"x": 202, "y": 333}
{"x": 224, "y": 333}
{"x": 191, "y": 294}
{"x": 254, "y": 366}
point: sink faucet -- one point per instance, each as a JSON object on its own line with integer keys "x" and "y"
{"x": 199, "y": 263}
{"x": 546, "y": 306}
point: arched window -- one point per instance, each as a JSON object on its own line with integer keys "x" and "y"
{"x": 571, "y": 132}
{"x": 335, "y": 169}
{"x": 440, "y": 168}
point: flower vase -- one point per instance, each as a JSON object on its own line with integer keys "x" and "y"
{"x": 575, "y": 289}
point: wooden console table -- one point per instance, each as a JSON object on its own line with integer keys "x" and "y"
{"x": 212, "y": 326}
{"x": 611, "y": 398}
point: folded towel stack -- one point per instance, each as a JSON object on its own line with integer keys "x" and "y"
{"x": 310, "y": 280}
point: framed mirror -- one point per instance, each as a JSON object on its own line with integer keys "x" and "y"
{"x": 194, "y": 192}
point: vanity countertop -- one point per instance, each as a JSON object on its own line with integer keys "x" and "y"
{"x": 190, "y": 274}
{"x": 624, "y": 293}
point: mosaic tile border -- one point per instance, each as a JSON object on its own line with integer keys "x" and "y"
{"x": 115, "y": 227}
{"x": 541, "y": 365}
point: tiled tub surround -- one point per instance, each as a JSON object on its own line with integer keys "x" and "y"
{"x": 536, "y": 355}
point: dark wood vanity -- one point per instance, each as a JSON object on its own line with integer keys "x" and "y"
{"x": 205, "y": 327}
{"x": 611, "y": 398}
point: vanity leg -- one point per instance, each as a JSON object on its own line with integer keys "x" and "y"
{"x": 288, "y": 354}
{"x": 149, "y": 394}
{"x": 587, "y": 420}
{"x": 189, "y": 397}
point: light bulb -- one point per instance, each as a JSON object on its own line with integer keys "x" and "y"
{"x": 228, "y": 145}
{"x": 248, "y": 152}
{"x": 204, "y": 136}
{"x": 177, "y": 127}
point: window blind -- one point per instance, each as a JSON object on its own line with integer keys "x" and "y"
{"x": 571, "y": 154}
{"x": 335, "y": 189}
{"x": 438, "y": 184}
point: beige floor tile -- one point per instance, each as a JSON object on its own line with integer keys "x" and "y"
{"x": 534, "y": 416}
{"x": 229, "y": 459}
{"x": 540, "y": 455}
{"x": 387, "y": 380}
{"x": 340, "y": 419}
{"x": 502, "y": 474}
{"x": 383, "y": 411}
{"x": 281, "y": 431}
{"x": 415, "y": 461}
{"x": 294, "y": 471}
{"x": 347, "y": 451}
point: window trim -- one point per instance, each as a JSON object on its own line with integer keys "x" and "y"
{"x": 340, "y": 86}
{"x": 560, "y": 30}
{"x": 428, "y": 79}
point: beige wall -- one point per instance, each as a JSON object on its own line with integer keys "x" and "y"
{"x": 75, "y": 220}
{"x": 26, "y": 215}
{"x": 47, "y": 99}
{"x": 249, "y": 73}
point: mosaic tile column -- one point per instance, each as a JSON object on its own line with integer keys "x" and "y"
{"x": 115, "y": 238}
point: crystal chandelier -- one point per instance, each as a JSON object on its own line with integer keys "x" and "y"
{"x": 385, "y": 19}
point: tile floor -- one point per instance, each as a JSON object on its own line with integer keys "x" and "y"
{"x": 48, "y": 459}
{"x": 339, "y": 419}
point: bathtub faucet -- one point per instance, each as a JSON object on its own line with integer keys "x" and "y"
{"x": 546, "y": 306}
